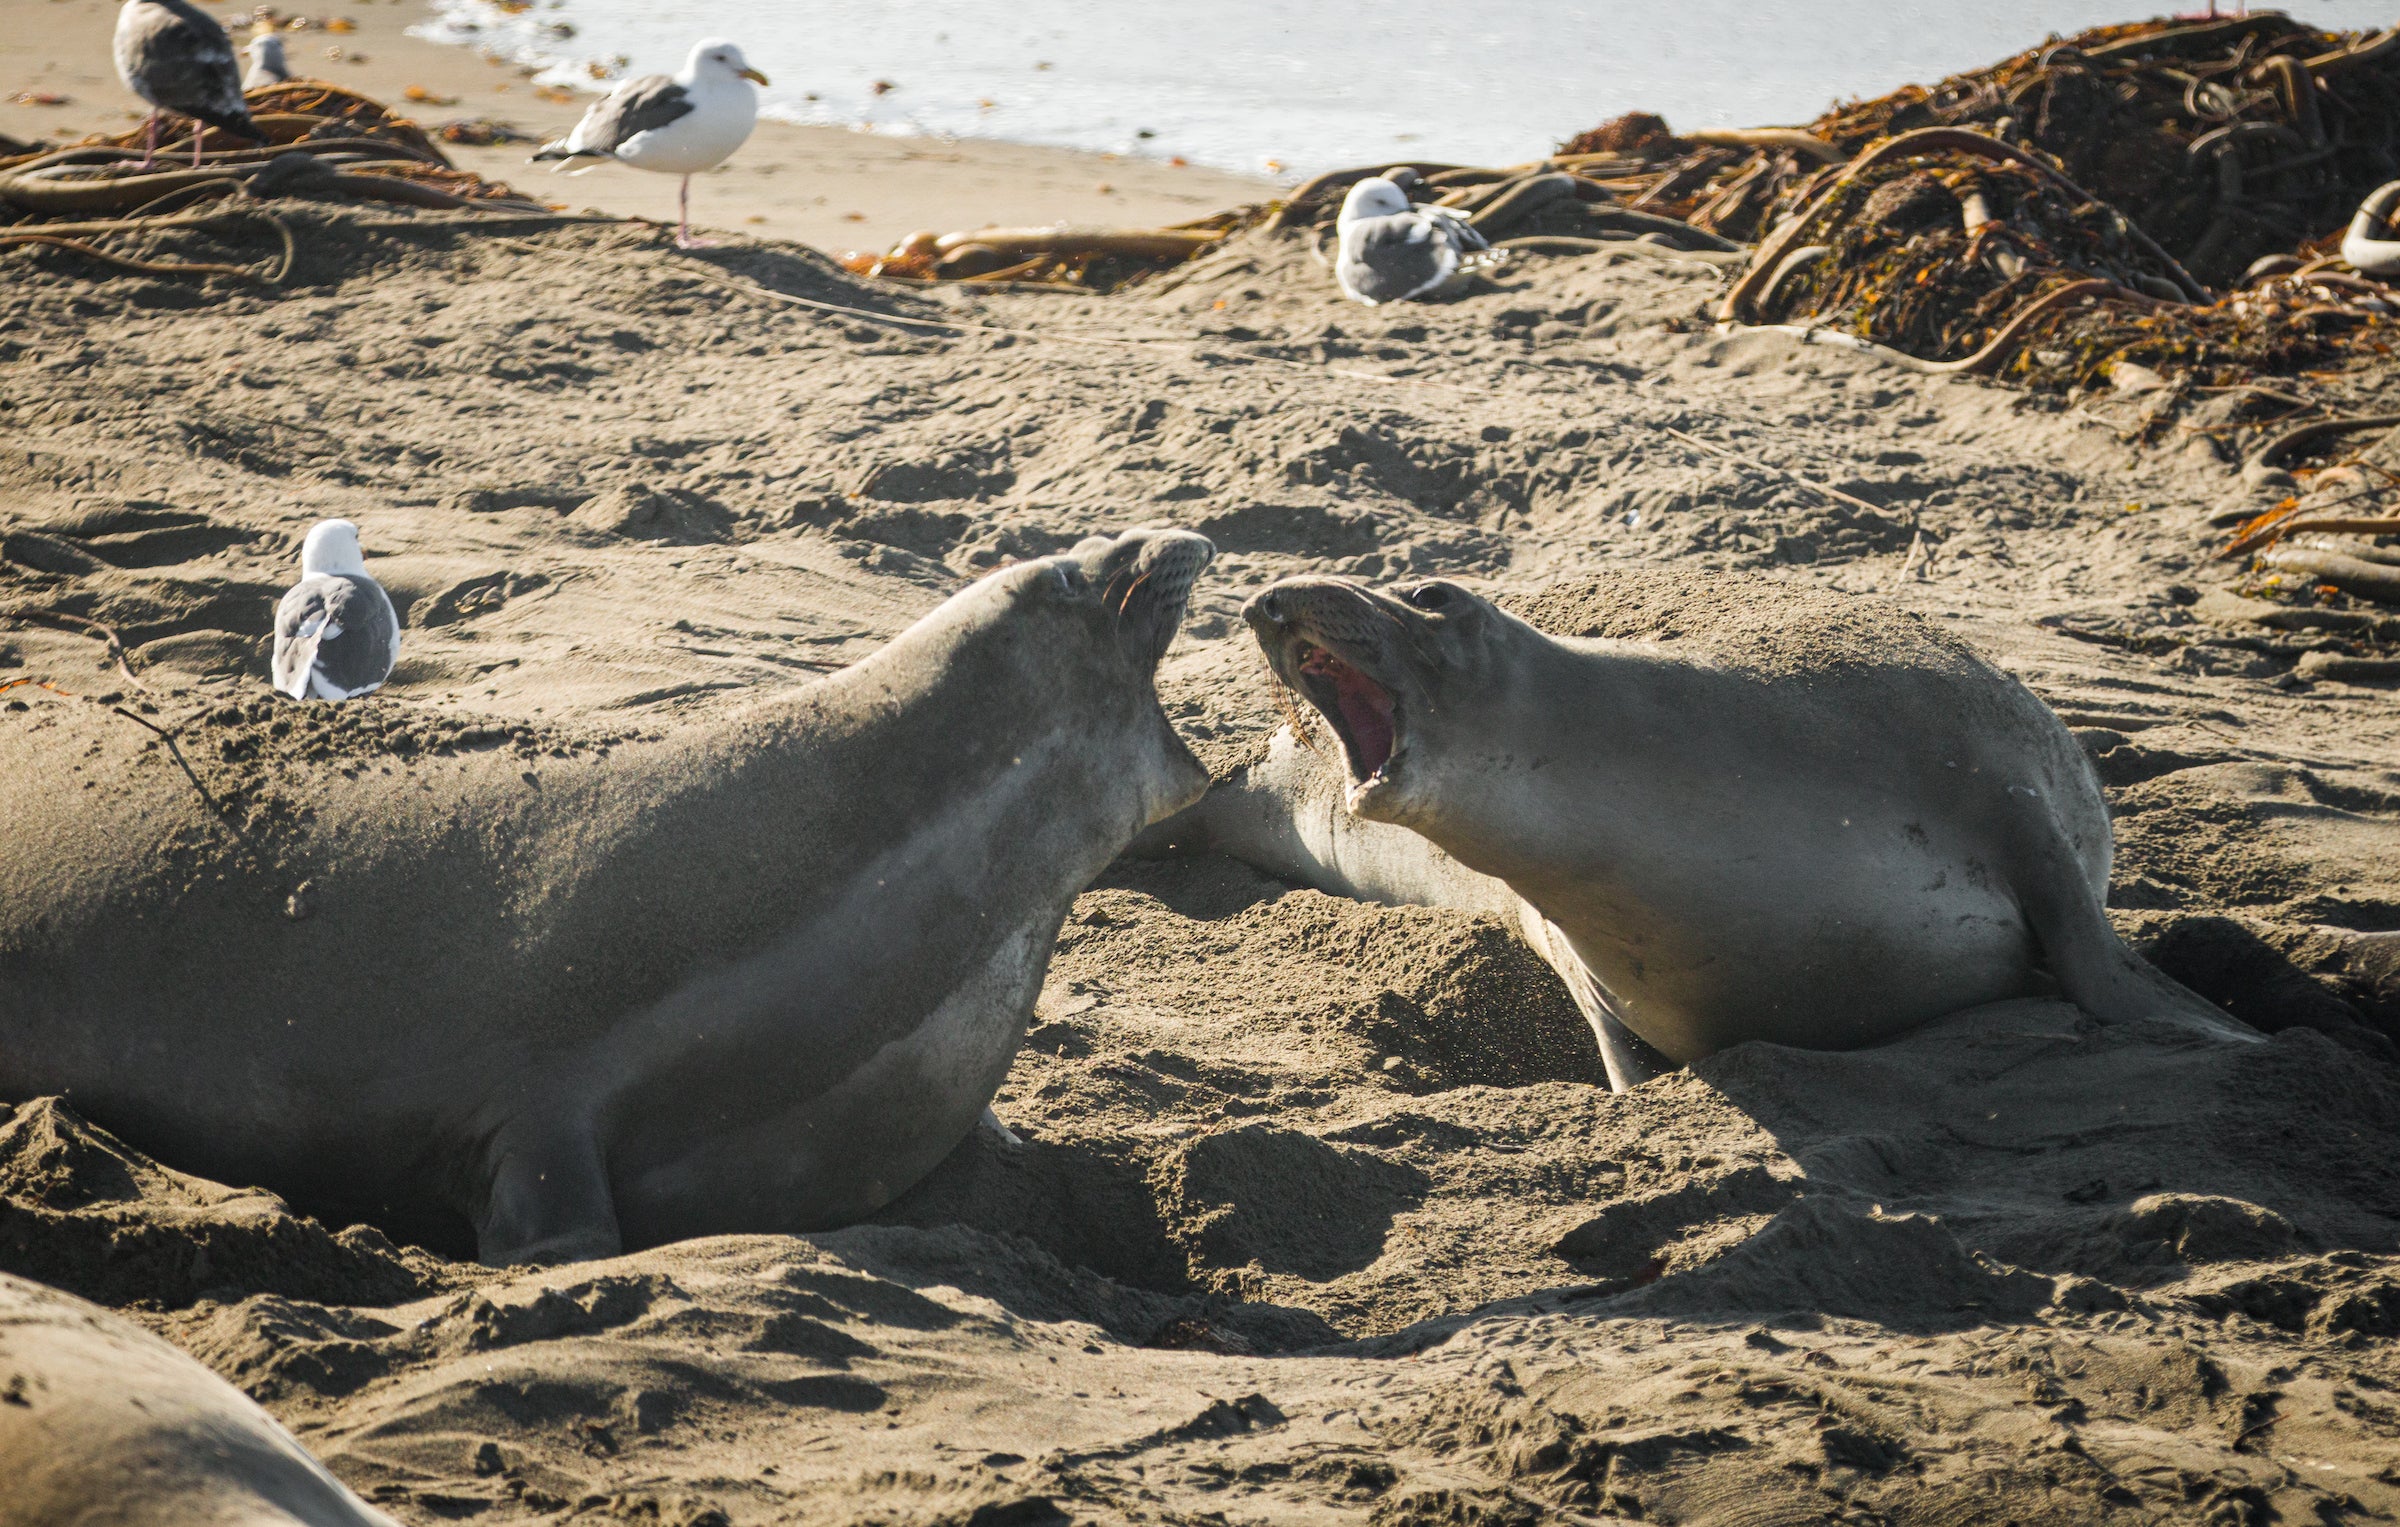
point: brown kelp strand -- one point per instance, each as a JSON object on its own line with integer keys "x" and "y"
{"x": 1088, "y": 259}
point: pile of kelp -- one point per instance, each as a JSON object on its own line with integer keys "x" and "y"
{"x": 99, "y": 200}
{"x": 1956, "y": 251}
{"x": 2160, "y": 198}
{"x": 2225, "y": 140}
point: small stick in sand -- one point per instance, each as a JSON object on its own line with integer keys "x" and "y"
{"x": 175, "y": 752}
{"x": 2258, "y": 535}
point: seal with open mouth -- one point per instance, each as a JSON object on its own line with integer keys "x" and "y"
{"x": 1823, "y": 838}
{"x": 758, "y": 975}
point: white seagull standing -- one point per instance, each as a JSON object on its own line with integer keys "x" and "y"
{"x": 267, "y": 65}
{"x": 674, "y": 124}
{"x": 1391, "y": 251}
{"x": 336, "y": 636}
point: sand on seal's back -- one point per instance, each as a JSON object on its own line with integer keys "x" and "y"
{"x": 1759, "y": 625}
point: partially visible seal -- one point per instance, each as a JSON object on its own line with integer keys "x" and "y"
{"x": 104, "y": 1425}
{"x": 1823, "y": 833}
{"x": 760, "y": 975}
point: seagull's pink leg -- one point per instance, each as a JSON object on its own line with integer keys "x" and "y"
{"x": 149, "y": 142}
{"x": 683, "y": 220}
{"x": 199, "y": 132}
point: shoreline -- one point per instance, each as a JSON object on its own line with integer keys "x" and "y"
{"x": 834, "y": 188}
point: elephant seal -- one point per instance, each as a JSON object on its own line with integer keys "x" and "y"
{"x": 1822, "y": 832}
{"x": 759, "y": 975}
{"x": 104, "y": 1425}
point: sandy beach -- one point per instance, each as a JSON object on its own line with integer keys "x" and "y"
{"x": 827, "y": 187}
{"x": 1323, "y": 1211}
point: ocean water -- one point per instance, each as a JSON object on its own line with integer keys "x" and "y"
{"x": 1288, "y": 89}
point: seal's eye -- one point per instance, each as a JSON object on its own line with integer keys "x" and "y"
{"x": 1070, "y": 577}
{"x": 1435, "y": 597}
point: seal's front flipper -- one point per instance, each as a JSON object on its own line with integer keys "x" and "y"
{"x": 2093, "y": 967}
{"x": 549, "y": 1200}
{"x": 1631, "y": 1060}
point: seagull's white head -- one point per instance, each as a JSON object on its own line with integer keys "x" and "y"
{"x": 331, "y": 547}
{"x": 1372, "y": 197}
{"x": 267, "y": 48}
{"x": 714, "y": 55}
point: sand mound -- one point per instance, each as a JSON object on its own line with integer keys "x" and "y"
{"x": 80, "y": 1211}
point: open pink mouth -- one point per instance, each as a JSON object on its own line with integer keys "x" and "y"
{"x": 1361, "y": 709}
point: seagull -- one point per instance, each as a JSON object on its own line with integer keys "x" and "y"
{"x": 267, "y": 65}
{"x": 178, "y": 59}
{"x": 1391, "y": 251}
{"x": 336, "y": 635}
{"x": 675, "y": 124}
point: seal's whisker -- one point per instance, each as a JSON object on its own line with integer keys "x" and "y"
{"x": 1288, "y": 704}
{"x": 1127, "y": 602}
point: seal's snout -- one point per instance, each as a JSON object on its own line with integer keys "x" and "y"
{"x": 1325, "y": 609}
{"x": 1176, "y": 556}
{"x": 1146, "y": 579}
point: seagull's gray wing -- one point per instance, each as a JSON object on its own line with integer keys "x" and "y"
{"x": 336, "y": 637}
{"x": 1463, "y": 234}
{"x": 1391, "y": 259}
{"x": 177, "y": 58}
{"x": 638, "y": 106}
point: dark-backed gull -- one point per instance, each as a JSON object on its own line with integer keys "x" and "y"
{"x": 177, "y": 58}
{"x": 674, "y": 124}
{"x": 336, "y": 635}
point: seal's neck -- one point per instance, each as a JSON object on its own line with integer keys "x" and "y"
{"x": 1545, "y": 739}
{"x": 951, "y": 727}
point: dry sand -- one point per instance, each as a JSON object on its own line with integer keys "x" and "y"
{"x": 824, "y": 186}
{"x": 1322, "y": 1214}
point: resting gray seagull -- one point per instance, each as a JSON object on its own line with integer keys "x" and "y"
{"x": 1391, "y": 251}
{"x": 336, "y": 635}
{"x": 267, "y": 64}
{"x": 675, "y": 124}
{"x": 178, "y": 59}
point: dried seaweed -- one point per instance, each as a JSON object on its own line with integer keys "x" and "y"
{"x": 1088, "y": 259}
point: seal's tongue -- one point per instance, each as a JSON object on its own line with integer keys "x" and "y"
{"x": 1366, "y": 708}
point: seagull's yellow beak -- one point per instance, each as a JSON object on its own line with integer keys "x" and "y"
{"x": 753, "y": 76}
